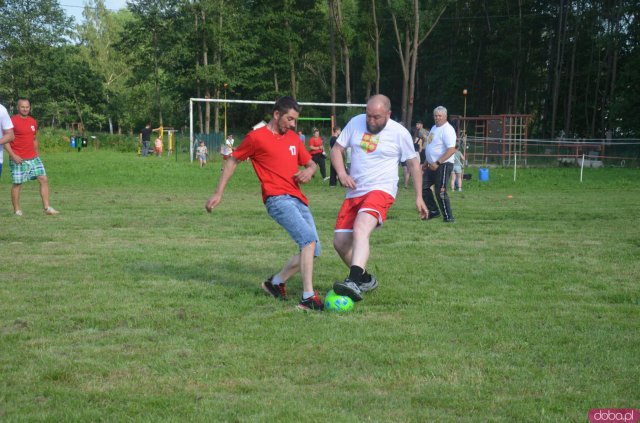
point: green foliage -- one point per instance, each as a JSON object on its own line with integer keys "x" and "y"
{"x": 146, "y": 61}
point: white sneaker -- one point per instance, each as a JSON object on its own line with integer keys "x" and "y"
{"x": 18, "y": 213}
{"x": 51, "y": 211}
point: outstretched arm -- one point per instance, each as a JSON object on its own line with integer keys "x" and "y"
{"x": 227, "y": 173}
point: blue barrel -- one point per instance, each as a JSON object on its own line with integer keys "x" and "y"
{"x": 73, "y": 142}
{"x": 483, "y": 174}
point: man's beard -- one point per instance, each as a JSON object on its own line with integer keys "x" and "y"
{"x": 375, "y": 129}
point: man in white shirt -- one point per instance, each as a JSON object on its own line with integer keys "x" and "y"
{"x": 6, "y": 132}
{"x": 441, "y": 145}
{"x": 378, "y": 144}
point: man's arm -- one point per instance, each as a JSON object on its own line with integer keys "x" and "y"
{"x": 337, "y": 161}
{"x": 36, "y": 145}
{"x": 12, "y": 154}
{"x": 303, "y": 176}
{"x": 416, "y": 174}
{"x": 229, "y": 168}
{"x": 7, "y": 137}
{"x": 448, "y": 153}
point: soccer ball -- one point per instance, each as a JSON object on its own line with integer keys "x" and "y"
{"x": 337, "y": 303}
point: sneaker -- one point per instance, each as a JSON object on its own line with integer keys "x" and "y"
{"x": 18, "y": 213}
{"x": 312, "y": 303}
{"x": 368, "y": 286}
{"x": 51, "y": 211}
{"x": 276, "y": 291}
{"x": 451, "y": 220}
{"x": 348, "y": 288}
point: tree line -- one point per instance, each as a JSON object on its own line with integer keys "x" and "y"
{"x": 571, "y": 64}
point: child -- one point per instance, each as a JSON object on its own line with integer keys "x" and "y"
{"x": 456, "y": 175}
{"x": 226, "y": 149}
{"x": 158, "y": 147}
{"x": 202, "y": 154}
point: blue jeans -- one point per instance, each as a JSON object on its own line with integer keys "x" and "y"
{"x": 295, "y": 217}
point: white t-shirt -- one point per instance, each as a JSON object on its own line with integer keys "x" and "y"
{"x": 227, "y": 148}
{"x": 5, "y": 123}
{"x": 375, "y": 157}
{"x": 440, "y": 139}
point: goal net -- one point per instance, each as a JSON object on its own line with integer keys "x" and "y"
{"x": 192, "y": 101}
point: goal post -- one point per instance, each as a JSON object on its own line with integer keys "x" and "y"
{"x": 222, "y": 100}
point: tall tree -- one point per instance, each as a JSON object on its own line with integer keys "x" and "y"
{"x": 149, "y": 35}
{"x": 99, "y": 33}
{"x": 29, "y": 30}
{"x": 410, "y": 34}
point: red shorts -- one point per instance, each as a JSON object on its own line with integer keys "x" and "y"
{"x": 225, "y": 156}
{"x": 375, "y": 203}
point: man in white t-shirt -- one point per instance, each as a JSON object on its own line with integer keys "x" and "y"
{"x": 378, "y": 144}
{"x": 441, "y": 146}
{"x": 6, "y": 132}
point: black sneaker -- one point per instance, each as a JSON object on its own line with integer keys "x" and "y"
{"x": 348, "y": 288}
{"x": 312, "y": 303}
{"x": 450, "y": 220}
{"x": 368, "y": 286}
{"x": 276, "y": 291}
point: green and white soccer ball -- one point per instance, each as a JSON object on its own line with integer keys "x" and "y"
{"x": 337, "y": 303}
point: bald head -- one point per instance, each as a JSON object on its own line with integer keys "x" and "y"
{"x": 378, "y": 113}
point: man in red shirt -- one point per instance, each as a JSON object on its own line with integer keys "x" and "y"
{"x": 24, "y": 160}
{"x": 276, "y": 153}
{"x": 316, "y": 147}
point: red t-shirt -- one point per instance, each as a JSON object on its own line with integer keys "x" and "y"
{"x": 275, "y": 159}
{"x": 25, "y": 130}
{"x": 316, "y": 142}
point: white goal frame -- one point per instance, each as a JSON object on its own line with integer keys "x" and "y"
{"x": 222, "y": 100}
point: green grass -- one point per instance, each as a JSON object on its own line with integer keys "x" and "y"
{"x": 135, "y": 304}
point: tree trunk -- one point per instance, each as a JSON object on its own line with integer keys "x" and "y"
{"x": 377, "y": 44}
{"x": 518, "y": 62}
{"x": 344, "y": 49}
{"x": 332, "y": 49}
{"x": 570, "y": 99}
{"x": 409, "y": 55}
{"x": 157, "y": 74}
{"x": 205, "y": 64}
{"x": 292, "y": 71}
{"x": 413, "y": 59}
{"x": 557, "y": 77}
{"x": 216, "y": 106}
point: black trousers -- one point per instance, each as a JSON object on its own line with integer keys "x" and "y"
{"x": 333, "y": 176}
{"x": 319, "y": 160}
{"x": 439, "y": 180}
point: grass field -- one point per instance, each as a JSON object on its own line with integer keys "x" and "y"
{"x": 135, "y": 304}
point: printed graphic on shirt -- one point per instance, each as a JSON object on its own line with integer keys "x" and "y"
{"x": 430, "y": 138}
{"x": 369, "y": 142}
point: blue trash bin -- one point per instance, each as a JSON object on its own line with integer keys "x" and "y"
{"x": 483, "y": 174}
{"x": 73, "y": 142}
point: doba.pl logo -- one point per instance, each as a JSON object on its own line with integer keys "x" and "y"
{"x": 602, "y": 415}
